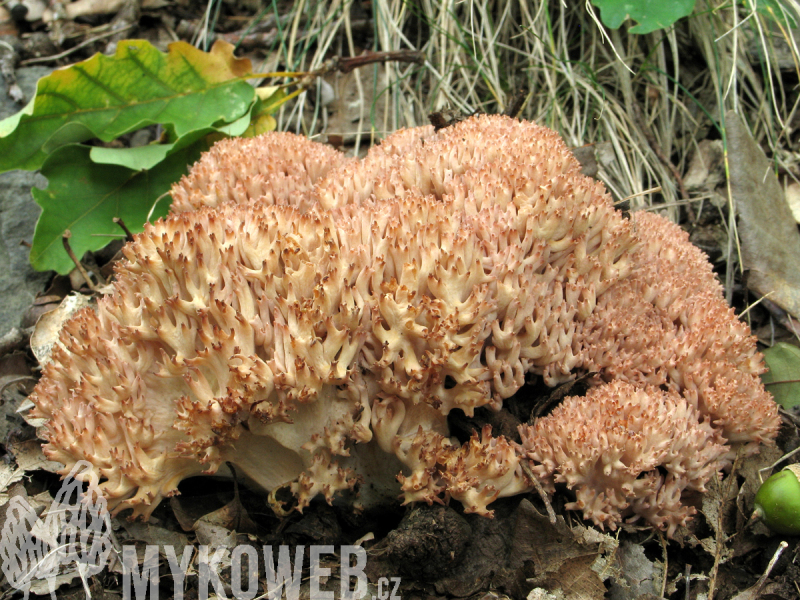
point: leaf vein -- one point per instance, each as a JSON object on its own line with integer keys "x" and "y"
{"x": 152, "y": 75}
{"x": 79, "y": 69}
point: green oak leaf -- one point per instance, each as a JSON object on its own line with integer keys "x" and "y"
{"x": 136, "y": 159}
{"x": 104, "y": 97}
{"x": 650, "y": 15}
{"x": 783, "y": 361}
{"x": 84, "y": 197}
{"x": 143, "y": 158}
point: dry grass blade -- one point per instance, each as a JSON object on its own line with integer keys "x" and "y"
{"x": 651, "y": 97}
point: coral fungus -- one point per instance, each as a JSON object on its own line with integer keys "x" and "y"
{"x": 314, "y": 320}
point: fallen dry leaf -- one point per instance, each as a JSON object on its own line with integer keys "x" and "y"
{"x": 48, "y": 328}
{"x": 638, "y": 574}
{"x": 576, "y": 580}
{"x": 543, "y": 594}
{"x": 8, "y": 476}
{"x": 706, "y": 169}
{"x": 29, "y": 457}
{"x": 153, "y": 535}
{"x": 768, "y": 232}
{"x": 563, "y": 557}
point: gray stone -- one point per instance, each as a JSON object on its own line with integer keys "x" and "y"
{"x": 19, "y": 283}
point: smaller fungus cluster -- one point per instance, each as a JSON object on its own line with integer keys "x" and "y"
{"x": 625, "y": 449}
{"x": 313, "y": 320}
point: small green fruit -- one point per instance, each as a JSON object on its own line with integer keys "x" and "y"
{"x": 777, "y": 501}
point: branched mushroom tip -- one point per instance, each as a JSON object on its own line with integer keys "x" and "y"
{"x": 312, "y": 320}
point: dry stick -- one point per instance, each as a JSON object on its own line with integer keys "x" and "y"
{"x": 345, "y": 65}
{"x": 261, "y": 35}
{"x": 785, "y": 456}
{"x": 44, "y": 59}
{"x": 766, "y": 383}
{"x": 666, "y": 563}
{"x": 121, "y": 223}
{"x": 535, "y": 481}
{"x": 686, "y": 574}
{"x": 762, "y": 581}
{"x": 65, "y": 239}
{"x": 639, "y": 118}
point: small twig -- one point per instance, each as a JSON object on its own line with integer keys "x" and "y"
{"x": 345, "y": 65}
{"x": 686, "y": 577}
{"x": 269, "y": 22}
{"x": 65, "y": 240}
{"x": 535, "y": 481}
{"x": 248, "y": 41}
{"x": 762, "y": 581}
{"x": 263, "y": 34}
{"x": 666, "y": 564}
{"x": 44, "y": 59}
{"x": 121, "y": 223}
{"x": 766, "y": 383}
{"x": 782, "y": 458}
